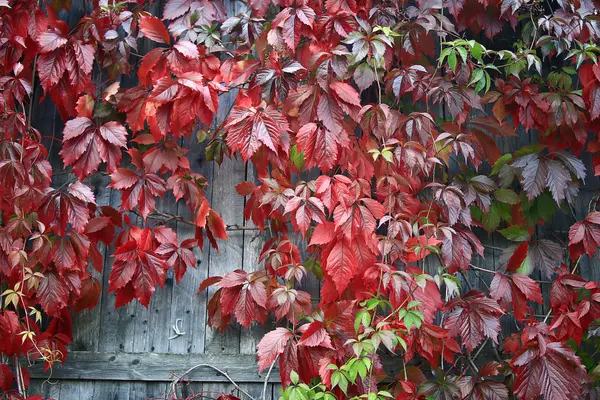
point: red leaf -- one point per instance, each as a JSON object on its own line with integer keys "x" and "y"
{"x": 51, "y": 40}
{"x": 341, "y": 264}
{"x": 81, "y": 192}
{"x": 528, "y": 287}
{"x": 320, "y": 146}
{"x": 518, "y": 257}
{"x": 272, "y": 345}
{"x": 551, "y": 371}
{"x": 154, "y": 29}
{"x": 474, "y": 317}
{"x": 323, "y": 233}
{"x": 216, "y": 225}
{"x": 211, "y": 280}
{"x": 137, "y": 190}
{"x": 250, "y": 128}
{"x": 85, "y": 145}
{"x": 52, "y": 294}
{"x": 315, "y": 335}
{"x": 6, "y": 377}
{"x": 137, "y": 268}
{"x": 91, "y": 290}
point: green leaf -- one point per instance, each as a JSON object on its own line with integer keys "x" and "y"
{"x": 413, "y": 304}
{"x": 413, "y": 318}
{"x": 507, "y": 196}
{"x": 500, "y": 163}
{"x": 463, "y": 53}
{"x": 201, "y": 135}
{"x": 362, "y": 368}
{"x": 476, "y": 76}
{"x": 387, "y": 155}
{"x": 480, "y": 85}
{"x": 542, "y": 207}
{"x": 529, "y": 149}
{"x": 515, "y": 233}
{"x": 297, "y": 158}
{"x": 526, "y": 267}
{"x": 476, "y": 50}
{"x": 444, "y": 54}
{"x": 452, "y": 61}
{"x": 343, "y": 384}
{"x": 294, "y": 377}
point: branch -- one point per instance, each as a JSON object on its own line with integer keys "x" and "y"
{"x": 178, "y": 379}
{"x": 264, "y": 393}
{"x": 165, "y": 217}
{"x": 489, "y": 271}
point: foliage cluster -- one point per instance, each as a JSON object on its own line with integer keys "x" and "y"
{"x": 399, "y": 106}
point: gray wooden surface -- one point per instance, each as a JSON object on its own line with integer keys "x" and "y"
{"x": 127, "y": 354}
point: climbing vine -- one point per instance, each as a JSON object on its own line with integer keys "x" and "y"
{"x": 400, "y": 111}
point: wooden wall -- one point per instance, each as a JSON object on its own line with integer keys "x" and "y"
{"x": 128, "y": 353}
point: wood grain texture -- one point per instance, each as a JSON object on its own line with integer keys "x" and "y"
{"x": 230, "y": 206}
{"x": 186, "y": 304}
{"x": 155, "y": 367}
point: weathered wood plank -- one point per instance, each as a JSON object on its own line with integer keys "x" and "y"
{"x": 148, "y": 390}
{"x": 186, "y": 304}
{"x": 116, "y": 324}
{"x": 76, "y": 390}
{"x": 230, "y": 206}
{"x": 253, "y": 244}
{"x": 112, "y": 390}
{"x": 154, "y": 367}
{"x": 157, "y": 367}
{"x": 44, "y": 388}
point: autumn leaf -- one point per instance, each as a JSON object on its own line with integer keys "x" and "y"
{"x": 86, "y": 145}
{"x": 272, "y": 345}
{"x": 153, "y": 28}
{"x": 473, "y": 317}
{"x": 551, "y": 370}
{"x": 250, "y": 128}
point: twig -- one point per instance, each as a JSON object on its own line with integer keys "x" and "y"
{"x": 31, "y": 98}
{"x": 20, "y": 381}
{"x": 266, "y": 384}
{"x": 225, "y": 374}
{"x": 489, "y": 271}
{"x": 487, "y": 246}
{"x": 472, "y": 364}
{"x": 159, "y": 215}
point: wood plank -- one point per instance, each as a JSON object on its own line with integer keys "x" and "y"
{"x": 157, "y": 367}
{"x": 76, "y": 390}
{"x": 230, "y": 206}
{"x": 187, "y": 390}
{"x": 154, "y": 367}
{"x": 116, "y": 324}
{"x": 148, "y": 390}
{"x": 253, "y": 244}
{"x": 112, "y": 390}
{"x": 44, "y": 388}
{"x": 86, "y": 332}
{"x": 185, "y": 303}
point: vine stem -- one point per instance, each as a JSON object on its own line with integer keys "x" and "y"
{"x": 170, "y": 217}
{"x": 225, "y": 374}
{"x": 19, "y": 376}
{"x": 266, "y": 384}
